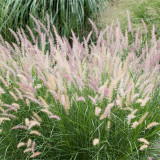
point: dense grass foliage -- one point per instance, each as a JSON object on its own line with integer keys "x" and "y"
{"x": 98, "y": 101}
{"x": 148, "y": 10}
{"x": 64, "y": 14}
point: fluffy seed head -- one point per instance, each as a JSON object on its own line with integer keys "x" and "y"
{"x": 35, "y": 132}
{"x": 46, "y": 111}
{"x": 4, "y": 119}
{"x": 135, "y": 124}
{"x": 27, "y": 150}
{"x": 81, "y": 99}
{"x": 97, "y": 111}
{"x": 35, "y": 154}
{"x": 95, "y": 141}
{"x": 20, "y": 127}
{"x": 14, "y": 96}
{"x": 44, "y": 102}
{"x": 37, "y": 117}
{"x": 55, "y": 117}
{"x": 29, "y": 142}
{"x": 152, "y": 125}
{"x": 21, "y": 144}
{"x": 143, "y": 117}
{"x": 143, "y": 140}
{"x": 143, "y": 147}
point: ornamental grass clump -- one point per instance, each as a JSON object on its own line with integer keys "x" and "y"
{"x": 97, "y": 101}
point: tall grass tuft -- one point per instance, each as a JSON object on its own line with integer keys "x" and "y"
{"x": 98, "y": 101}
{"x": 64, "y": 14}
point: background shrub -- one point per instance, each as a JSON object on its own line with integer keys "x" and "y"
{"x": 64, "y": 14}
{"x": 148, "y": 10}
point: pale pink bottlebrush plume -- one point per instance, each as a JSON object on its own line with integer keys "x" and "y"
{"x": 34, "y": 119}
{"x": 15, "y": 35}
{"x": 9, "y": 69}
{"x": 27, "y": 87}
{"x": 8, "y": 110}
{"x": 95, "y": 141}
{"x": 144, "y": 25}
{"x": 35, "y": 154}
{"x": 106, "y": 91}
{"x": 2, "y": 110}
{"x": 32, "y": 99}
{"x": 33, "y": 123}
{"x": 94, "y": 27}
{"x": 129, "y": 23}
{"x": 110, "y": 90}
{"x": 108, "y": 125}
{"x": 37, "y": 116}
{"x": 13, "y": 95}
{"x": 21, "y": 144}
{"x": 152, "y": 125}
{"x": 143, "y": 140}
{"x": 27, "y": 122}
{"x": 35, "y": 132}
{"x": 1, "y": 91}
{"x": 135, "y": 124}
{"x": 19, "y": 93}
{"x": 31, "y": 33}
{"x": 153, "y": 35}
{"x": 107, "y": 111}
{"x": 143, "y": 117}
{"x": 27, "y": 150}
{"x": 143, "y": 101}
{"x": 94, "y": 100}
{"x": 133, "y": 98}
{"x": 4, "y": 81}
{"x": 55, "y": 117}
{"x": 10, "y": 116}
{"x": 68, "y": 77}
{"x": 33, "y": 147}
{"x": 41, "y": 75}
{"x": 2, "y": 119}
{"x": 44, "y": 102}
{"x": 67, "y": 104}
{"x": 149, "y": 158}
{"x": 29, "y": 142}
{"x": 129, "y": 87}
{"x": 79, "y": 80}
{"x": 131, "y": 116}
{"x": 10, "y": 107}
{"x": 54, "y": 94}
{"x": 103, "y": 90}
{"x": 145, "y": 146}
{"x": 119, "y": 101}
{"x": 20, "y": 127}
{"x": 97, "y": 111}
{"x": 93, "y": 83}
{"x": 46, "y": 111}
{"x": 81, "y": 99}
{"x": 0, "y": 130}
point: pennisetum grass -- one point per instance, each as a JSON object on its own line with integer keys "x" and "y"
{"x": 97, "y": 101}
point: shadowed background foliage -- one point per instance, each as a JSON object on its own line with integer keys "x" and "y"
{"x": 64, "y": 14}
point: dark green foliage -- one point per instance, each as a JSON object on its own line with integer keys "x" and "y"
{"x": 64, "y": 14}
